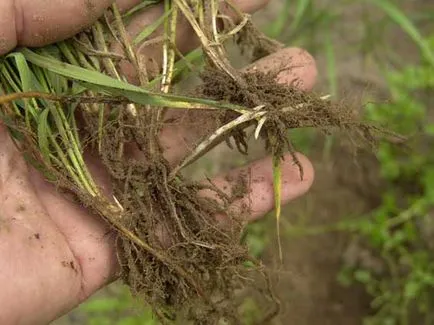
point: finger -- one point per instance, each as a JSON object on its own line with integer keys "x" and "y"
{"x": 259, "y": 197}
{"x": 300, "y": 67}
{"x": 185, "y": 128}
{"x": 185, "y": 38}
{"x": 40, "y": 22}
{"x": 251, "y": 6}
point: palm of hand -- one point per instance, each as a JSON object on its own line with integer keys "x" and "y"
{"x": 50, "y": 248}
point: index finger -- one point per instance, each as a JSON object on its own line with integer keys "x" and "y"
{"x": 40, "y": 22}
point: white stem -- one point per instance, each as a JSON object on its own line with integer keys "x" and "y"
{"x": 204, "y": 145}
{"x": 259, "y": 127}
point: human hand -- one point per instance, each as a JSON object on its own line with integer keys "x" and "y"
{"x": 53, "y": 253}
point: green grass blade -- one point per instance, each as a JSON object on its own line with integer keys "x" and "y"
{"x": 282, "y": 19}
{"x": 331, "y": 65}
{"x": 333, "y": 86}
{"x": 10, "y": 81}
{"x": 406, "y": 24}
{"x": 41, "y": 76}
{"x": 59, "y": 85}
{"x": 314, "y": 19}
{"x": 67, "y": 53}
{"x": 8, "y": 89}
{"x": 188, "y": 63}
{"x": 100, "y": 126}
{"x": 277, "y": 184}
{"x": 77, "y": 73}
{"x": 71, "y": 145}
{"x": 302, "y": 6}
{"x": 146, "y": 32}
{"x": 51, "y": 81}
{"x": 62, "y": 161}
{"x": 43, "y": 134}
{"x": 96, "y": 81}
{"x": 144, "y": 4}
{"x": 26, "y": 80}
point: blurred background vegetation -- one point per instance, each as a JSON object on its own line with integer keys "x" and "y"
{"x": 359, "y": 247}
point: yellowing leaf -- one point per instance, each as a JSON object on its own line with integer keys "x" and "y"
{"x": 277, "y": 184}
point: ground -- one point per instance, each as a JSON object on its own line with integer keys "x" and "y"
{"x": 308, "y": 286}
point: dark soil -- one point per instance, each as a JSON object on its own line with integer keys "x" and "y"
{"x": 287, "y": 108}
{"x": 307, "y": 284}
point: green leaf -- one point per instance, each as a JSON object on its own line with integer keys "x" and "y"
{"x": 99, "y": 81}
{"x": 281, "y": 21}
{"x": 27, "y": 82}
{"x": 302, "y": 6}
{"x": 406, "y": 25}
{"x": 331, "y": 64}
{"x": 277, "y": 184}
{"x": 43, "y": 134}
{"x": 24, "y": 71}
{"x": 8, "y": 79}
{"x": 146, "y": 32}
{"x": 142, "y": 5}
{"x": 78, "y": 73}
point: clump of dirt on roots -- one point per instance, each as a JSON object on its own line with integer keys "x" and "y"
{"x": 287, "y": 108}
{"x": 183, "y": 264}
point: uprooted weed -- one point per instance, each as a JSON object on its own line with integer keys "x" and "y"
{"x": 172, "y": 250}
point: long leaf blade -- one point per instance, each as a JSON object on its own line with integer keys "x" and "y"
{"x": 302, "y": 6}
{"x": 43, "y": 134}
{"x": 407, "y": 25}
{"x": 143, "y": 5}
{"x": 277, "y": 184}
{"x": 146, "y": 32}
{"x": 121, "y": 88}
